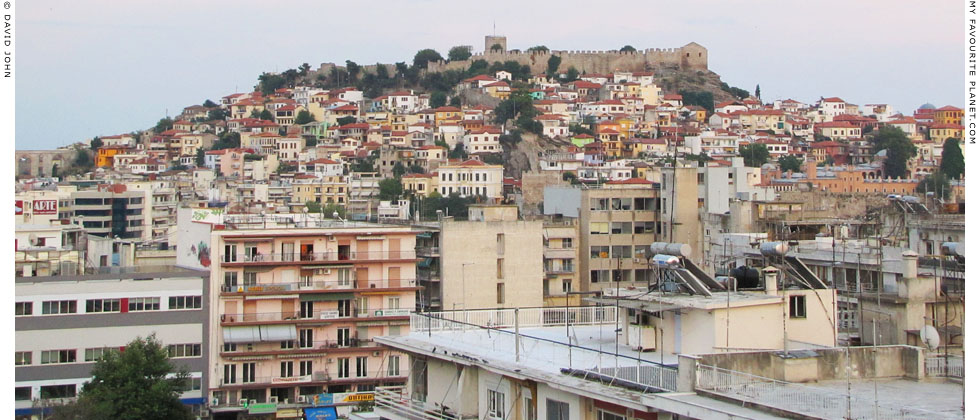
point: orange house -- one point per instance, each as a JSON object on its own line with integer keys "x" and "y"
{"x": 103, "y": 158}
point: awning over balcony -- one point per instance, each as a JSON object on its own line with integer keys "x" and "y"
{"x": 325, "y": 297}
{"x": 425, "y": 263}
{"x": 259, "y": 333}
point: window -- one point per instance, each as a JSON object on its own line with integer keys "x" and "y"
{"x": 144, "y": 304}
{"x": 58, "y": 391}
{"x": 284, "y": 345}
{"x": 231, "y": 253}
{"x": 624, "y": 204}
{"x": 500, "y": 244}
{"x": 606, "y": 415}
{"x": 96, "y": 353}
{"x": 57, "y": 356}
{"x": 248, "y": 372}
{"x": 228, "y": 347}
{"x": 22, "y": 393}
{"x": 362, "y": 367}
{"x": 566, "y": 286}
{"x": 620, "y": 227}
{"x": 343, "y": 276}
{"x": 343, "y": 306}
{"x": 598, "y": 227}
{"x": 343, "y": 367}
{"x": 361, "y": 306}
{"x": 599, "y": 251}
{"x": 622, "y": 251}
{"x": 229, "y": 375}
{"x": 231, "y": 280}
{"x": 566, "y": 243}
{"x": 306, "y": 338}
{"x": 190, "y": 384}
{"x": 500, "y": 268}
{"x": 185, "y": 302}
{"x": 22, "y": 358}
{"x": 797, "y": 306}
{"x": 184, "y": 350}
{"x": 24, "y": 308}
{"x": 500, "y": 293}
{"x": 529, "y": 410}
{"x": 599, "y": 276}
{"x": 306, "y": 309}
{"x": 101, "y": 305}
{"x": 394, "y": 368}
{"x": 250, "y": 278}
{"x": 343, "y": 337}
{"x": 305, "y": 367}
{"x": 394, "y": 303}
{"x": 556, "y": 410}
{"x": 495, "y": 404}
{"x": 285, "y": 369}
{"x": 54, "y": 307}
{"x": 599, "y": 204}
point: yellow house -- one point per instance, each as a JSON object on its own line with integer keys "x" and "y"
{"x": 418, "y": 184}
{"x": 940, "y": 132}
{"x": 446, "y": 113}
{"x": 697, "y": 113}
{"x": 625, "y": 126}
{"x": 948, "y": 115}
{"x": 103, "y": 158}
{"x": 325, "y": 190}
{"x": 611, "y": 142}
{"x": 499, "y": 90}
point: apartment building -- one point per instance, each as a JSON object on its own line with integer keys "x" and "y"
{"x": 471, "y": 177}
{"x": 295, "y": 309}
{"x": 493, "y": 260}
{"x": 617, "y": 223}
{"x": 111, "y": 211}
{"x": 65, "y": 323}
{"x": 161, "y": 219}
{"x": 561, "y": 261}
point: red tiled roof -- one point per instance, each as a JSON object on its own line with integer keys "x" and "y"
{"x": 833, "y": 99}
{"x": 949, "y": 108}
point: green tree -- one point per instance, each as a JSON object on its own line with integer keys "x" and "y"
{"x": 353, "y": 69}
{"x": 754, "y": 155}
{"x": 138, "y": 383}
{"x": 95, "y": 144}
{"x": 199, "y": 158}
{"x": 209, "y": 104}
{"x": 734, "y": 91}
{"x": 346, "y": 120}
{"x": 304, "y": 117}
{"x": 456, "y": 102}
{"x": 571, "y": 74}
{"x": 437, "y": 99}
{"x": 935, "y": 183}
{"x": 758, "y": 93}
{"x": 398, "y": 169}
{"x": 496, "y": 48}
{"x": 382, "y": 71}
{"x": 479, "y": 66}
{"x": 952, "y": 165}
{"x": 627, "y": 48}
{"x": 269, "y": 82}
{"x": 576, "y": 128}
{"x": 571, "y": 177}
{"x": 538, "y": 49}
{"x": 390, "y": 189}
{"x": 702, "y": 98}
{"x": 553, "y": 62}
{"x": 83, "y": 160}
{"x": 215, "y": 114}
{"x": 519, "y": 103}
{"x": 458, "y": 152}
{"x": 313, "y": 207}
{"x": 266, "y": 115}
{"x": 227, "y": 140}
{"x": 423, "y": 57}
{"x": 163, "y": 125}
{"x": 416, "y": 169}
{"x": 330, "y": 208}
{"x": 285, "y": 168}
{"x": 459, "y": 53}
{"x": 790, "y": 163}
{"x": 899, "y": 149}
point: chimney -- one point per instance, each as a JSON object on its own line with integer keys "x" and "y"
{"x": 910, "y": 264}
{"x": 770, "y": 273}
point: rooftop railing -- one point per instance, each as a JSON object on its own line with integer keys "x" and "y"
{"x": 395, "y": 403}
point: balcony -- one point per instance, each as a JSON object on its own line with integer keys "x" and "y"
{"x": 318, "y": 286}
{"x": 554, "y": 271}
{"x": 427, "y": 251}
{"x": 300, "y": 347}
{"x": 394, "y": 403}
{"x": 315, "y": 257}
{"x": 314, "y": 317}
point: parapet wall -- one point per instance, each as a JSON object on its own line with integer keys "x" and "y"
{"x": 692, "y": 56}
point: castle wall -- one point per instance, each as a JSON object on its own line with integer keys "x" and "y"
{"x": 690, "y": 56}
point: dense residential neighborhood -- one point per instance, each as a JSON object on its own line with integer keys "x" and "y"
{"x": 506, "y": 234}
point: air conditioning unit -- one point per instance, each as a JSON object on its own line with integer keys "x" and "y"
{"x": 252, "y": 402}
{"x": 274, "y": 399}
{"x": 301, "y": 399}
{"x": 243, "y": 402}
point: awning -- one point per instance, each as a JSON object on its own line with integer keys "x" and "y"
{"x": 277, "y": 332}
{"x": 241, "y": 334}
{"x": 425, "y": 263}
{"x": 424, "y": 235}
{"x": 325, "y": 297}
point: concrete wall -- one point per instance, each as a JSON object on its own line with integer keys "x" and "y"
{"x": 827, "y": 364}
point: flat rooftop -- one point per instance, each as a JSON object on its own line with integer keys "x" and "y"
{"x": 674, "y": 300}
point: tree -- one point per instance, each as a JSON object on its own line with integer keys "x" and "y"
{"x": 952, "y": 165}
{"x": 458, "y": 152}
{"x": 790, "y": 163}
{"x": 538, "y": 49}
{"x": 398, "y": 169}
{"x": 304, "y": 117}
{"x": 571, "y": 74}
{"x": 755, "y": 154}
{"x": 496, "y": 48}
{"x": 519, "y": 103}
{"x": 138, "y": 383}
{"x": 702, "y": 98}
{"x": 437, "y": 99}
{"x": 346, "y": 120}
{"x": 758, "y": 94}
{"x": 479, "y": 66}
{"x": 382, "y": 71}
{"x": 734, "y": 91}
{"x": 627, "y": 48}
{"x": 935, "y": 183}
{"x": 199, "y": 158}
{"x": 163, "y": 125}
{"x": 899, "y": 149}
{"x": 576, "y": 128}
{"x": 287, "y": 168}
{"x": 227, "y": 140}
{"x": 217, "y": 114}
{"x": 266, "y": 115}
{"x": 390, "y": 189}
{"x": 459, "y": 53}
{"x": 423, "y": 57}
{"x": 95, "y": 144}
{"x": 570, "y": 177}
{"x": 553, "y": 62}
{"x": 268, "y": 83}
{"x": 83, "y": 160}
{"x": 353, "y": 69}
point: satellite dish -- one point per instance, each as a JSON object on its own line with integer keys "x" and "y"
{"x": 930, "y": 337}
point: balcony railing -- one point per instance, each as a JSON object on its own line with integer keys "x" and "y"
{"x": 317, "y": 285}
{"x": 427, "y": 250}
{"x": 312, "y": 316}
{"x": 329, "y": 256}
{"x": 948, "y": 366}
{"x": 300, "y": 346}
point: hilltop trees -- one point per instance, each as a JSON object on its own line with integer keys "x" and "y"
{"x": 553, "y": 62}
{"x": 423, "y": 57}
{"x": 789, "y": 163}
{"x": 304, "y": 117}
{"x": 538, "y": 49}
{"x": 520, "y": 104}
{"x": 627, "y": 48}
{"x": 459, "y": 53}
{"x": 755, "y": 154}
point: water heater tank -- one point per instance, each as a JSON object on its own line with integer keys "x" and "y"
{"x": 676, "y": 249}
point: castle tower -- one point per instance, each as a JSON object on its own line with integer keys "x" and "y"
{"x": 491, "y": 40}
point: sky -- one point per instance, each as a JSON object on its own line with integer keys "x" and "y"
{"x": 105, "y": 67}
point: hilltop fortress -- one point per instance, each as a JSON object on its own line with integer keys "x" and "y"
{"x": 690, "y": 56}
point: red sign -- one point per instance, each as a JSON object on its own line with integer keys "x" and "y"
{"x": 45, "y": 206}
{"x": 18, "y": 207}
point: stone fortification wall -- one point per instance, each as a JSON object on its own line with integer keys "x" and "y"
{"x": 691, "y": 56}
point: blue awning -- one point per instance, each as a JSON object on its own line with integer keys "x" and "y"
{"x": 321, "y": 413}
{"x": 425, "y": 262}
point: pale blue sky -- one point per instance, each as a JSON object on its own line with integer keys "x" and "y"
{"x": 87, "y": 68}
